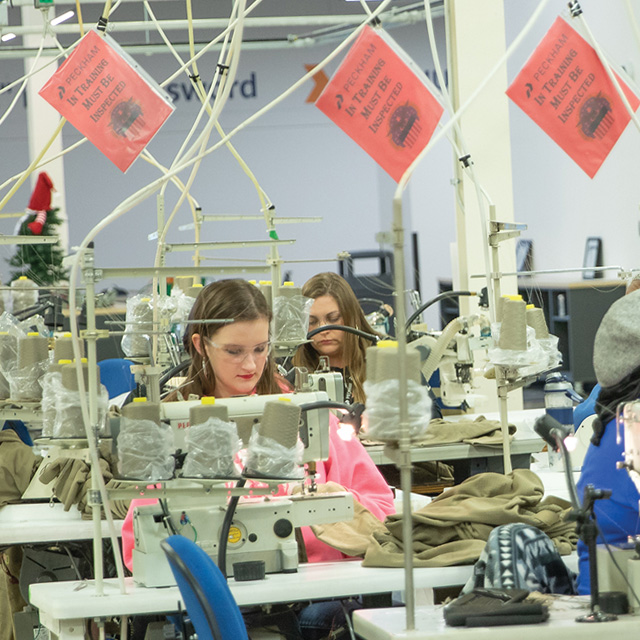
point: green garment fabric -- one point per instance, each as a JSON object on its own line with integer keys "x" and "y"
{"x": 11, "y": 600}
{"x": 480, "y": 431}
{"x": 18, "y": 463}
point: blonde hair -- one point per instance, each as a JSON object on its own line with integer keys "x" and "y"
{"x": 353, "y": 347}
{"x": 226, "y": 299}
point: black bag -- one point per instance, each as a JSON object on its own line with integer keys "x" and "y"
{"x": 493, "y": 607}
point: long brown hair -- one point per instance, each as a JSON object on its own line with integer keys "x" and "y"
{"x": 353, "y": 347}
{"x": 225, "y": 299}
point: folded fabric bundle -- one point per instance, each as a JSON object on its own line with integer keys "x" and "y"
{"x": 480, "y": 431}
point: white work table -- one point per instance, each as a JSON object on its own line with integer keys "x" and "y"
{"x": 45, "y": 522}
{"x": 390, "y": 624}
{"x": 524, "y": 442}
{"x": 65, "y": 605}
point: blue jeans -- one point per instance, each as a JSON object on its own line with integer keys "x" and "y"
{"x": 318, "y": 619}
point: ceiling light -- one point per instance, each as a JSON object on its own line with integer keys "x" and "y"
{"x": 8, "y": 36}
{"x": 62, "y": 17}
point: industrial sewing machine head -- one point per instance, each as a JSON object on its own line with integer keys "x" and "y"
{"x": 450, "y": 358}
{"x": 263, "y": 526}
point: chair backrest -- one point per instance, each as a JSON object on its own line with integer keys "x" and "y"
{"x": 116, "y": 376}
{"x": 206, "y": 594}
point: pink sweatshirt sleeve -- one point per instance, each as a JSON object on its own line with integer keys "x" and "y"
{"x": 127, "y": 531}
{"x": 350, "y": 466}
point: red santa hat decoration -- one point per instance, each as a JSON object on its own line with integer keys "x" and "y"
{"x": 40, "y": 203}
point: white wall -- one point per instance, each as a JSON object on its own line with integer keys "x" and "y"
{"x": 309, "y": 167}
{"x": 559, "y": 202}
{"x": 305, "y": 164}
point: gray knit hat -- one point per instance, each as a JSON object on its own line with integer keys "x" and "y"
{"x": 616, "y": 350}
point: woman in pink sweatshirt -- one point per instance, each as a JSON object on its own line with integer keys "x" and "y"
{"x": 235, "y": 359}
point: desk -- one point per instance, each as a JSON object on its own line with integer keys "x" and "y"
{"x": 477, "y": 458}
{"x": 390, "y": 624}
{"x": 42, "y": 522}
{"x": 65, "y": 605}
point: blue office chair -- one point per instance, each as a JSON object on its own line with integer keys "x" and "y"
{"x": 207, "y": 597}
{"x": 116, "y": 376}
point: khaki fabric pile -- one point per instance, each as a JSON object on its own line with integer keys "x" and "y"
{"x": 18, "y": 463}
{"x": 480, "y": 431}
{"x": 72, "y": 481}
{"x": 455, "y": 526}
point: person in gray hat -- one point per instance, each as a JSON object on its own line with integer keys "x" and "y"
{"x": 587, "y": 407}
{"x": 616, "y": 361}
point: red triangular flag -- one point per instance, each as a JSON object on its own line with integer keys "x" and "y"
{"x": 381, "y": 100}
{"x": 564, "y": 88}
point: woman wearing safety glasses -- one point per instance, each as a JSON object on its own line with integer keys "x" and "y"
{"x": 231, "y": 357}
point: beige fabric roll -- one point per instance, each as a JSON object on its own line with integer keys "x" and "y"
{"x": 513, "y": 331}
{"x": 535, "y": 319}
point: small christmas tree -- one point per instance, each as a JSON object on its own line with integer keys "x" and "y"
{"x": 42, "y": 263}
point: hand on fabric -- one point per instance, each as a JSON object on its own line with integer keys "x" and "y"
{"x": 351, "y": 537}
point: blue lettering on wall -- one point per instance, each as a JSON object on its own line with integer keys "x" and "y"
{"x": 431, "y": 74}
{"x": 240, "y": 89}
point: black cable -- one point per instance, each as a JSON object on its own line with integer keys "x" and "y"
{"x": 174, "y": 371}
{"x": 353, "y": 415}
{"x": 568, "y": 473}
{"x": 428, "y": 303}
{"x": 370, "y": 301}
{"x": 167, "y": 517}
{"x": 324, "y": 404}
{"x": 342, "y": 327}
{"x": 226, "y": 526}
{"x": 36, "y": 309}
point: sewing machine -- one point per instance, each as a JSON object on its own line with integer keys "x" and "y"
{"x": 322, "y": 379}
{"x": 450, "y": 354}
{"x": 263, "y": 528}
